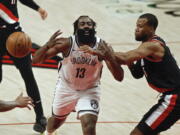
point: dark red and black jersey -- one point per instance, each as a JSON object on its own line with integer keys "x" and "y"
{"x": 9, "y": 12}
{"x": 163, "y": 75}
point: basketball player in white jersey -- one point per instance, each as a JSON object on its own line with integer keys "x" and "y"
{"x": 77, "y": 87}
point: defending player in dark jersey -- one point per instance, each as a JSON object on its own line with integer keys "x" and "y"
{"x": 156, "y": 63}
{"x": 9, "y": 23}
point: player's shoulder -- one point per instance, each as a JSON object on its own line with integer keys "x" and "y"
{"x": 158, "y": 39}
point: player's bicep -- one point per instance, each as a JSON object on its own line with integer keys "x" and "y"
{"x": 150, "y": 49}
{"x": 142, "y": 51}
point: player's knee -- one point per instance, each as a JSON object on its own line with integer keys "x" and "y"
{"x": 88, "y": 123}
{"x": 89, "y": 128}
{"x": 56, "y": 117}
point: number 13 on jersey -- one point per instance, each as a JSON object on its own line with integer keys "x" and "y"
{"x": 80, "y": 72}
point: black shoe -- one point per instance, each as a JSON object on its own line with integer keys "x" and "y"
{"x": 40, "y": 125}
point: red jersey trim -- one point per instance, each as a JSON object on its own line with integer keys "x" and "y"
{"x": 155, "y": 40}
{"x": 161, "y": 90}
{"x": 8, "y": 12}
{"x": 166, "y": 112}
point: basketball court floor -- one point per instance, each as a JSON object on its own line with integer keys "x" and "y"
{"x": 122, "y": 103}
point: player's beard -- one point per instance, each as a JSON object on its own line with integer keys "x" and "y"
{"x": 142, "y": 38}
{"x": 86, "y": 36}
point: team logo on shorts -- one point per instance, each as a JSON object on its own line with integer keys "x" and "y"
{"x": 94, "y": 104}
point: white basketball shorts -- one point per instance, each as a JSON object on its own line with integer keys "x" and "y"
{"x": 67, "y": 100}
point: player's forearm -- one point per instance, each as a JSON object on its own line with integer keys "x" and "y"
{"x": 127, "y": 58}
{"x": 40, "y": 55}
{"x": 30, "y": 3}
{"x": 120, "y": 57}
{"x": 7, "y": 105}
{"x": 115, "y": 69}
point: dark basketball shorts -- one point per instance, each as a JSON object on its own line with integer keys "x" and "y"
{"x": 162, "y": 115}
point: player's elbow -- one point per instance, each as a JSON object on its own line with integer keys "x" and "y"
{"x": 120, "y": 76}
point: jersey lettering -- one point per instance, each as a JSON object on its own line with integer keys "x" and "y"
{"x": 83, "y": 60}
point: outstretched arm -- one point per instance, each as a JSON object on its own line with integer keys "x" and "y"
{"x": 35, "y": 6}
{"x": 51, "y": 48}
{"x": 153, "y": 49}
{"x": 20, "y": 102}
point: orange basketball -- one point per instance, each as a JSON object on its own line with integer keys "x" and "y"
{"x": 18, "y": 44}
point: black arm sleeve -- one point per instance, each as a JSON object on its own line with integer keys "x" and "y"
{"x": 30, "y": 3}
{"x": 136, "y": 70}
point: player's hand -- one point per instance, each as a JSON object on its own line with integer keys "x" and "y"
{"x": 106, "y": 51}
{"x": 100, "y": 51}
{"x": 86, "y": 49}
{"x": 54, "y": 39}
{"x": 43, "y": 13}
{"x": 23, "y": 102}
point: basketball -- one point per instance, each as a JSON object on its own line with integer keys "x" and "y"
{"x": 18, "y": 44}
